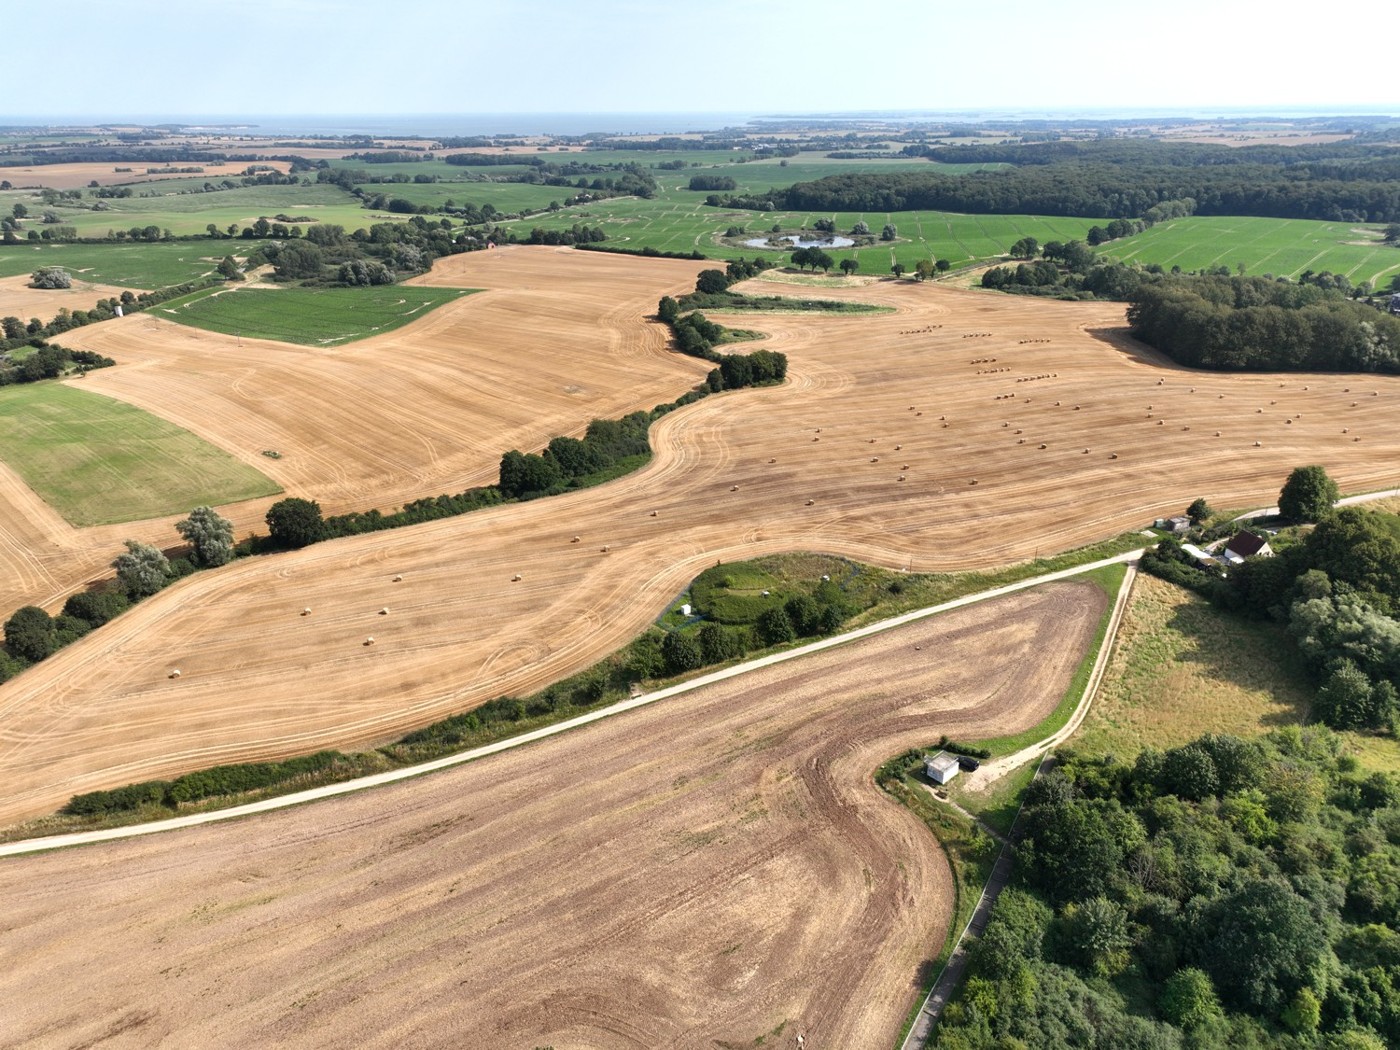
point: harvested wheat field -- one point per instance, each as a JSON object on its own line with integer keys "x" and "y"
{"x": 425, "y": 409}
{"x": 911, "y": 439}
{"x": 80, "y": 174}
{"x": 17, "y": 299}
{"x": 697, "y": 873}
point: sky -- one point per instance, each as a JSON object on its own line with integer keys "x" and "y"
{"x": 142, "y": 58}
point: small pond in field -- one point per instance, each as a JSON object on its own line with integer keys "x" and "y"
{"x": 798, "y": 241}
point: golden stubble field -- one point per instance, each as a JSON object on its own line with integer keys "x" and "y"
{"x": 379, "y": 422}
{"x": 697, "y": 873}
{"x": 955, "y": 393}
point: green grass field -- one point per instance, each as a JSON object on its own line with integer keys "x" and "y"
{"x": 1282, "y": 247}
{"x": 97, "y": 461}
{"x": 507, "y": 197}
{"x": 146, "y": 266}
{"x": 683, "y": 226}
{"x": 191, "y": 213}
{"x": 309, "y": 316}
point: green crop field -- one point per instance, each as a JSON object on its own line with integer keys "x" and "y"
{"x": 309, "y": 316}
{"x": 683, "y": 226}
{"x": 1282, "y": 247}
{"x": 97, "y": 461}
{"x": 153, "y": 265}
{"x": 191, "y": 213}
{"x": 506, "y": 197}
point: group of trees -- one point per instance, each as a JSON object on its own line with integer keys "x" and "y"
{"x": 31, "y": 634}
{"x": 1254, "y": 323}
{"x": 46, "y": 360}
{"x": 1245, "y": 893}
{"x": 1066, "y": 270}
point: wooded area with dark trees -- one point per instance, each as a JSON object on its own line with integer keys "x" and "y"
{"x": 1120, "y": 180}
{"x": 1254, "y": 323}
{"x": 1227, "y": 893}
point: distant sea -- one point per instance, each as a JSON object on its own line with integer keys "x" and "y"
{"x": 435, "y": 125}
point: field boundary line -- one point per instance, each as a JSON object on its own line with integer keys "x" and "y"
{"x": 346, "y": 787}
{"x": 948, "y": 977}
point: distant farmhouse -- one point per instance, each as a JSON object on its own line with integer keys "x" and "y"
{"x": 1176, "y": 526}
{"x": 1395, "y": 303}
{"x": 1245, "y": 545}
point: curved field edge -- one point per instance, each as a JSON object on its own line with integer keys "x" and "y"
{"x": 767, "y": 776}
{"x": 970, "y": 851}
{"x": 306, "y": 316}
{"x": 97, "y": 460}
{"x": 424, "y": 751}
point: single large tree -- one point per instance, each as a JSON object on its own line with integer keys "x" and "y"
{"x": 142, "y": 570}
{"x": 210, "y": 535}
{"x": 295, "y": 522}
{"x": 30, "y": 634}
{"x": 1307, "y": 495}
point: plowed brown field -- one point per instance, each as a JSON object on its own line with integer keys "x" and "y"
{"x": 693, "y": 874}
{"x": 955, "y": 393}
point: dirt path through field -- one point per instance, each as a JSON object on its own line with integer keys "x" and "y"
{"x": 693, "y": 874}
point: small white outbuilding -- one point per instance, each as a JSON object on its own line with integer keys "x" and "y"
{"x": 941, "y": 767}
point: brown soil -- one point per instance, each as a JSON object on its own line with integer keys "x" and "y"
{"x": 17, "y": 299}
{"x": 693, "y": 874}
{"x": 731, "y": 478}
{"x": 80, "y": 175}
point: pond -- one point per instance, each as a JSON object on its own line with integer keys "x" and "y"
{"x": 796, "y": 240}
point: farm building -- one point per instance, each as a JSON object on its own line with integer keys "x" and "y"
{"x": 1395, "y": 303}
{"x": 1176, "y": 526}
{"x": 1246, "y": 545}
{"x": 941, "y": 767}
{"x": 1204, "y": 559}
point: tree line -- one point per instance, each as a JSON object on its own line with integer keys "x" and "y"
{"x": 1095, "y": 189}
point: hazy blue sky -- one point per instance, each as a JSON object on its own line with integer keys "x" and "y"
{"x": 145, "y": 57}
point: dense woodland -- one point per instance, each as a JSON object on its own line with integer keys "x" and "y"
{"x": 1120, "y": 179}
{"x": 1253, "y": 323}
{"x": 1227, "y": 893}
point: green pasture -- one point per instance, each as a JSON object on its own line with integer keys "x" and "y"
{"x": 191, "y": 213}
{"x": 308, "y": 316}
{"x": 98, "y": 461}
{"x": 141, "y": 265}
{"x": 1282, "y": 247}
{"x": 684, "y": 226}
{"x": 506, "y": 197}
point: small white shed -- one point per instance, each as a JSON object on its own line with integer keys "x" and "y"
{"x": 941, "y": 767}
{"x": 685, "y": 609}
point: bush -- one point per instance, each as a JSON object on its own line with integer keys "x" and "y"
{"x": 50, "y": 277}
{"x": 142, "y": 570}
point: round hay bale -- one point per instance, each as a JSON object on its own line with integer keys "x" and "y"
{"x": 810, "y": 502}
{"x": 733, "y": 488}
{"x": 175, "y": 672}
{"x": 398, "y": 579}
{"x": 306, "y": 611}
{"x": 516, "y": 578}
{"x": 653, "y": 514}
{"x": 384, "y": 611}
{"x": 574, "y": 540}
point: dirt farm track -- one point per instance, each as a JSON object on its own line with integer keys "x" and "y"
{"x": 955, "y": 392}
{"x": 694, "y": 874}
